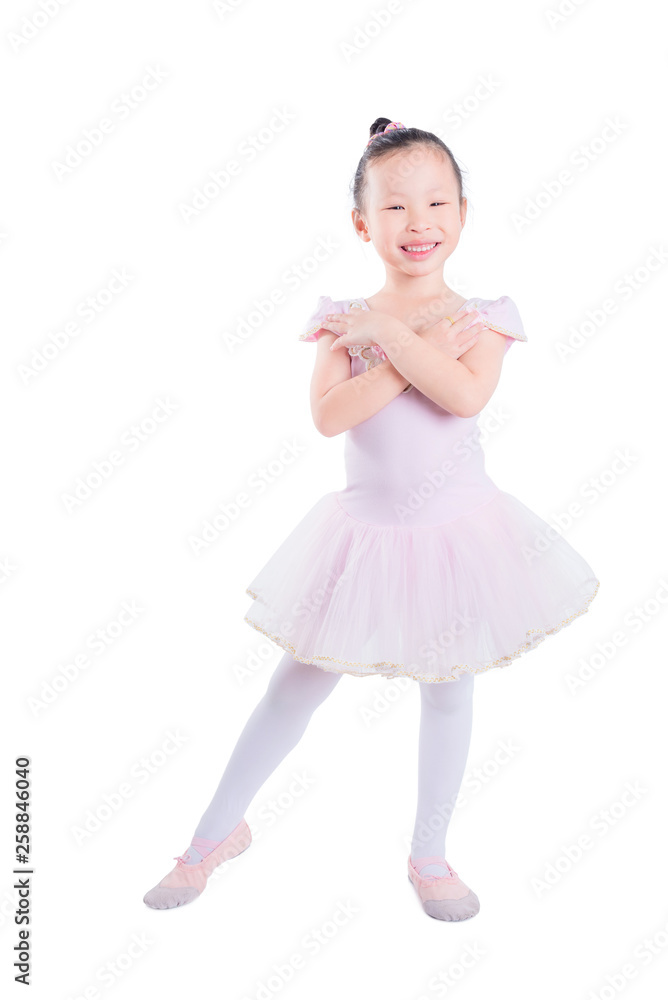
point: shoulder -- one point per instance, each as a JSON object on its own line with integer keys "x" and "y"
{"x": 502, "y": 315}
{"x": 324, "y": 306}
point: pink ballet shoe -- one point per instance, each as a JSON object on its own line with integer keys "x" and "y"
{"x": 442, "y": 896}
{"x": 185, "y": 882}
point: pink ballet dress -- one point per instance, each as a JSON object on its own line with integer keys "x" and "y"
{"x": 421, "y": 567}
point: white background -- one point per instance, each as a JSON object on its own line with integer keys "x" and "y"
{"x": 530, "y": 94}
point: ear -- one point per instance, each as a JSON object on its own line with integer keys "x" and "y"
{"x": 360, "y": 226}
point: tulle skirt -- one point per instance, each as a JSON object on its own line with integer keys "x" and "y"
{"x": 424, "y": 602}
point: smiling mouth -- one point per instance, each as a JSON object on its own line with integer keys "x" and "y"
{"x": 419, "y": 249}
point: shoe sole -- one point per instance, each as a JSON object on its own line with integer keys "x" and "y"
{"x": 453, "y": 918}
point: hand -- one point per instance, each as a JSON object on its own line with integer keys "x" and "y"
{"x": 358, "y": 327}
{"x": 452, "y": 338}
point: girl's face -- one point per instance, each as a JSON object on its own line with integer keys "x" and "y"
{"x": 412, "y": 199}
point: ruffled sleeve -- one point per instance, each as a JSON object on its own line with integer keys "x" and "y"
{"x": 312, "y": 328}
{"x": 503, "y": 316}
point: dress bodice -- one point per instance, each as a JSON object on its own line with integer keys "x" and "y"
{"x": 414, "y": 463}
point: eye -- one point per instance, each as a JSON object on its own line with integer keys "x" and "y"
{"x": 391, "y": 207}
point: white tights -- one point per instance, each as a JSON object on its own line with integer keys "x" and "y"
{"x": 280, "y": 718}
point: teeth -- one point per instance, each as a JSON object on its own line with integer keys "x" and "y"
{"x": 427, "y": 246}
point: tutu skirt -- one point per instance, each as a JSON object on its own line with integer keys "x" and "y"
{"x": 424, "y": 602}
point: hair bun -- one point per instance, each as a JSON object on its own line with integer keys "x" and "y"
{"x": 379, "y": 126}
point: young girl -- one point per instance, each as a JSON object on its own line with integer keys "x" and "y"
{"x": 421, "y": 567}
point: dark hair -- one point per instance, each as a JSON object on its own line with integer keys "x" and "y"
{"x": 389, "y": 142}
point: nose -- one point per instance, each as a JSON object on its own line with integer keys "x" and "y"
{"x": 418, "y": 226}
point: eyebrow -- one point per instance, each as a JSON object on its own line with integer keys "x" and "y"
{"x": 400, "y": 194}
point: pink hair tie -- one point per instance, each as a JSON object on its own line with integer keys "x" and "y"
{"x": 388, "y": 128}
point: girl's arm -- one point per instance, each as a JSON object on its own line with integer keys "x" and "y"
{"x": 339, "y": 401}
{"x": 463, "y": 387}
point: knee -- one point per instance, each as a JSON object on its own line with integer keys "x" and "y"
{"x": 448, "y": 696}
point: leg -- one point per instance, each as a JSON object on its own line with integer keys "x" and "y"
{"x": 446, "y": 711}
{"x": 274, "y": 727}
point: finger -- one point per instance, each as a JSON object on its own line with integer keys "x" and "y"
{"x": 334, "y": 326}
{"x": 465, "y": 320}
{"x": 467, "y": 345}
{"x": 463, "y": 335}
{"x": 457, "y": 321}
